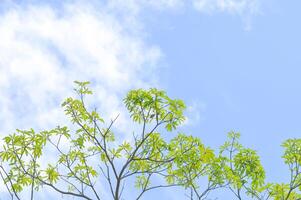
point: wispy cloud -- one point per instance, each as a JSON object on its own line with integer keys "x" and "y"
{"x": 194, "y": 113}
{"x": 137, "y": 5}
{"x": 246, "y": 9}
{"x": 239, "y": 7}
{"x": 230, "y": 6}
{"x": 42, "y": 50}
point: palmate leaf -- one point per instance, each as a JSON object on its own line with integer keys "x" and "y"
{"x": 154, "y": 105}
{"x": 52, "y": 174}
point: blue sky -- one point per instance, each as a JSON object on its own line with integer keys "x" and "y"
{"x": 237, "y": 68}
{"x": 247, "y": 80}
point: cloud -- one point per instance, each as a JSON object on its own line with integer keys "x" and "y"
{"x": 138, "y": 5}
{"x": 42, "y": 50}
{"x": 246, "y": 9}
{"x": 230, "y": 6}
{"x": 45, "y": 47}
{"x": 194, "y": 113}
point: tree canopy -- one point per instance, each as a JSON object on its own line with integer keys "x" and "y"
{"x": 90, "y": 161}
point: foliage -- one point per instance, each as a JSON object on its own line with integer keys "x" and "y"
{"x": 292, "y": 158}
{"x": 243, "y": 169}
{"x": 89, "y": 159}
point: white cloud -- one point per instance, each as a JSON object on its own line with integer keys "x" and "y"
{"x": 163, "y": 4}
{"x": 135, "y": 5}
{"x": 230, "y": 6}
{"x": 204, "y": 6}
{"x": 194, "y": 113}
{"x": 42, "y": 51}
{"x": 245, "y": 9}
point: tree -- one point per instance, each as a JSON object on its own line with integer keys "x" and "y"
{"x": 90, "y": 159}
{"x": 148, "y": 155}
{"x": 292, "y": 157}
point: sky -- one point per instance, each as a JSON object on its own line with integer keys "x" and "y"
{"x": 235, "y": 63}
